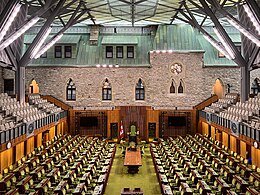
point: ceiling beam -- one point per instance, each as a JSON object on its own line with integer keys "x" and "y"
{"x": 253, "y": 57}
{"x": 238, "y": 57}
{"x": 26, "y": 58}
{"x": 255, "y": 8}
{"x": 6, "y": 12}
{"x": 10, "y": 54}
{"x": 177, "y": 11}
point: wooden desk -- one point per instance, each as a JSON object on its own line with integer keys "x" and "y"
{"x": 133, "y": 160}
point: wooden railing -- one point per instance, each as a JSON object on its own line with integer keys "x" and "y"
{"x": 57, "y": 102}
{"x": 206, "y": 102}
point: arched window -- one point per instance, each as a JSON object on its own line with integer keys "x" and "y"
{"x": 106, "y": 90}
{"x": 180, "y": 88}
{"x": 71, "y": 90}
{"x": 139, "y": 90}
{"x": 218, "y": 88}
{"x": 255, "y": 87}
{"x": 34, "y": 88}
{"x": 172, "y": 88}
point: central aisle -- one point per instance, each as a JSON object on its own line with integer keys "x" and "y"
{"x": 145, "y": 178}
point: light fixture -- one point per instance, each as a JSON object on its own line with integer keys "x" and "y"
{"x": 243, "y": 30}
{"x": 215, "y": 44}
{"x": 107, "y": 66}
{"x": 9, "y": 21}
{"x": 224, "y": 43}
{"x": 252, "y": 17}
{"x": 18, "y": 33}
{"x": 39, "y": 44}
{"x": 48, "y": 45}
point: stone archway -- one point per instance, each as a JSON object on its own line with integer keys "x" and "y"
{"x": 218, "y": 88}
{"x": 33, "y": 87}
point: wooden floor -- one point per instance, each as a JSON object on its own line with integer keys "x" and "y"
{"x": 145, "y": 179}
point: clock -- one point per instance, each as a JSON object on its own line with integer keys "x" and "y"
{"x": 256, "y": 144}
{"x": 176, "y": 68}
{"x": 8, "y": 145}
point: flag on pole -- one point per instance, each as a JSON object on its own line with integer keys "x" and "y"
{"x": 121, "y": 130}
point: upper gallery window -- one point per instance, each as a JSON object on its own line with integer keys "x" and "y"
{"x": 106, "y": 90}
{"x": 130, "y": 51}
{"x": 139, "y": 90}
{"x": 180, "y": 88}
{"x": 109, "y": 51}
{"x": 71, "y": 90}
{"x": 172, "y": 88}
{"x": 58, "y": 51}
{"x": 119, "y": 52}
{"x": 68, "y": 51}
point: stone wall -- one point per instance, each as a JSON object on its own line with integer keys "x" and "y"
{"x": 254, "y": 74}
{"x": 198, "y": 82}
{"x": 1, "y": 80}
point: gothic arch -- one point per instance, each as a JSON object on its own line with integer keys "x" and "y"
{"x": 218, "y": 88}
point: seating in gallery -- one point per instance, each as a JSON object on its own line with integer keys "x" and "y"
{"x": 199, "y": 165}
{"x": 16, "y": 118}
{"x": 232, "y": 109}
{"x": 84, "y": 169}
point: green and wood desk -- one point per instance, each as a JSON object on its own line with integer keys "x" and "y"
{"x": 133, "y": 160}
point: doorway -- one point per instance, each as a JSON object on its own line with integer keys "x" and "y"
{"x": 114, "y": 130}
{"x": 151, "y": 130}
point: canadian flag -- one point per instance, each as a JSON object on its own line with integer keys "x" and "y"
{"x": 121, "y": 131}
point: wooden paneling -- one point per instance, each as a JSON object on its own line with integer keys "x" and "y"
{"x": 29, "y": 145}
{"x": 52, "y": 133}
{"x": 39, "y": 140}
{"x": 113, "y": 116}
{"x": 243, "y": 149}
{"x": 169, "y": 123}
{"x": 218, "y": 135}
{"x": 152, "y": 116}
{"x": 233, "y": 143}
{"x": 204, "y": 128}
{"x": 225, "y": 138}
{"x": 134, "y": 115}
{"x": 6, "y": 159}
{"x": 72, "y": 126}
{"x": 255, "y": 156}
{"x": 213, "y": 132}
{"x": 19, "y": 151}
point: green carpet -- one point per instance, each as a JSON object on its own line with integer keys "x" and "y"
{"x": 145, "y": 179}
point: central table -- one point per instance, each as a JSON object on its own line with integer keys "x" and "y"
{"x": 133, "y": 160}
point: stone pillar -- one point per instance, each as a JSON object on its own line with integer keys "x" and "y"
{"x": 20, "y": 83}
{"x": 245, "y": 84}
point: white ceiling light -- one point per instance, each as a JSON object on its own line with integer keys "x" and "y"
{"x": 224, "y": 43}
{"x": 18, "y": 33}
{"x": 252, "y": 17}
{"x": 9, "y": 21}
{"x": 38, "y": 46}
{"x": 243, "y": 31}
{"x": 48, "y": 45}
{"x": 217, "y": 46}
